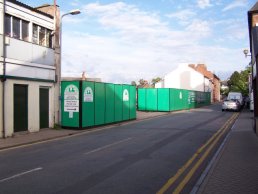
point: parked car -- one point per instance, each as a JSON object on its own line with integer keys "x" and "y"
{"x": 236, "y": 96}
{"x": 231, "y": 104}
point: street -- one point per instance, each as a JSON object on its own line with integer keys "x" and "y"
{"x": 138, "y": 157}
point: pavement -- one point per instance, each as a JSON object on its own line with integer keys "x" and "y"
{"x": 26, "y": 138}
{"x": 234, "y": 169}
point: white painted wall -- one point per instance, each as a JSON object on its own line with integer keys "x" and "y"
{"x": 160, "y": 84}
{"x": 184, "y": 77}
{"x": 28, "y": 52}
{"x": 28, "y": 70}
{"x": 33, "y": 105}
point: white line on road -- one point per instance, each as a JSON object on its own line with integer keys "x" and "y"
{"x": 107, "y": 146}
{"x": 21, "y": 174}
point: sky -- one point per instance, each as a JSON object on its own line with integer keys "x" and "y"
{"x": 129, "y": 40}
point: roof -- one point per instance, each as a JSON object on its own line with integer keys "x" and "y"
{"x": 254, "y": 8}
{"x": 30, "y": 8}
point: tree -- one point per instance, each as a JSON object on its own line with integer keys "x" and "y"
{"x": 238, "y": 82}
{"x": 155, "y": 80}
{"x": 133, "y": 83}
{"x": 143, "y": 84}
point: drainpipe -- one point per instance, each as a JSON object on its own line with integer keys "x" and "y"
{"x": 4, "y": 71}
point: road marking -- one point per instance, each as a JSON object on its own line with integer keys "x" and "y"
{"x": 196, "y": 154}
{"x": 107, "y": 146}
{"x": 208, "y": 168}
{"x": 198, "y": 163}
{"x": 20, "y": 174}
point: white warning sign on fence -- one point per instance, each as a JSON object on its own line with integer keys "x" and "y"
{"x": 88, "y": 95}
{"x": 125, "y": 95}
{"x": 71, "y": 99}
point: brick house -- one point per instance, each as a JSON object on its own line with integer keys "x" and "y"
{"x": 215, "y": 81}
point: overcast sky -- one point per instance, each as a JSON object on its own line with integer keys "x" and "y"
{"x": 124, "y": 41}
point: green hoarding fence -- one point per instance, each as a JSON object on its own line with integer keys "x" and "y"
{"x": 70, "y": 103}
{"x": 118, "y": 103}
{"x": 87, "y": 104}
{"x": 171, "y": 99}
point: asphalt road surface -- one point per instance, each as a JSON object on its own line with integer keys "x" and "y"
{"x": 141, "y": 157}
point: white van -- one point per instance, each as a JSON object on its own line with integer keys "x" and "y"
{"x": 236, "y": 96}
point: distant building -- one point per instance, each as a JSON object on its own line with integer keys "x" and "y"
{"x": 214, "y": 80}
{"x": 224, "y": 85}
{"x": 191, "y": 77}
{"x": 29, "y": 89}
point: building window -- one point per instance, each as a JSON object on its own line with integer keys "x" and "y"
{"x": 35, "y": 34}
{"x": 25, "y": 30}
{"x": 42, "y": 36}
{"x": 7, "y": 22}
{"x": 49, "y": 38}
{"x": 19, "y": 29}
{"x": 16, "y": 28}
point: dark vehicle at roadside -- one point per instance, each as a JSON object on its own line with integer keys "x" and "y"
{"x": 231, "y": 104}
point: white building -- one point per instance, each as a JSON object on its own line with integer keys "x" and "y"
{"x": 28, "y": 88}
{"x": 185, "y": 77}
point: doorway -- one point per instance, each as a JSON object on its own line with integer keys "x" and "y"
{"x": 20, "y": 96}
{"x": 44, "y": 107}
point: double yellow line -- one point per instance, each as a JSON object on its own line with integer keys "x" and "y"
{"x": 211, "y": 143}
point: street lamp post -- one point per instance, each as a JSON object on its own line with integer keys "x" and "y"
{"x": 246, "y": 51}
{"x": 72, "y": 12}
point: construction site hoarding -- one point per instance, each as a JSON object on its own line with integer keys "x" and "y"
{"x": 171, "y": 99}
{"x": 87, "y": 104}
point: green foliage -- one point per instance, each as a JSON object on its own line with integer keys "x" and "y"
{"x": 154, "y": 81}
{"x": 133, "y": 83}
{"x": 143, "y": 84}
{"x": 57, "y": 126}
{"x": 238, "y": 82}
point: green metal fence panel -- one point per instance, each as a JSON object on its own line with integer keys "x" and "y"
{"x": 163, "y": 99}
{"x": 176, "y": 99}
{"x": 110, "y": 103}
{"x": 70, "y": 92}
{"x": 118, "y": 103}
{"x": 171, "y": 99}
{"x": 132, "y": 96}
{"x": 100, "y": 103}
{"x": 141, "y": 99}
{"x": 88, "y": 104}
{"x": 185, "y": 99}
{"x": 151, "y": 99}
{"x": 192, "y": 99}
{"x": 126, "y": 102}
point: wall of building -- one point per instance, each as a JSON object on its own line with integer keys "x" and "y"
{"x": 1, "y": 66}
{"x": 24, "y": 58}
{"x": 184, "y": 77}
{"x": 28, "y": 64}
{"x": 1, "y": 112}
{"x": 26, "y": 51}
{"x": 33, "y": 104}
